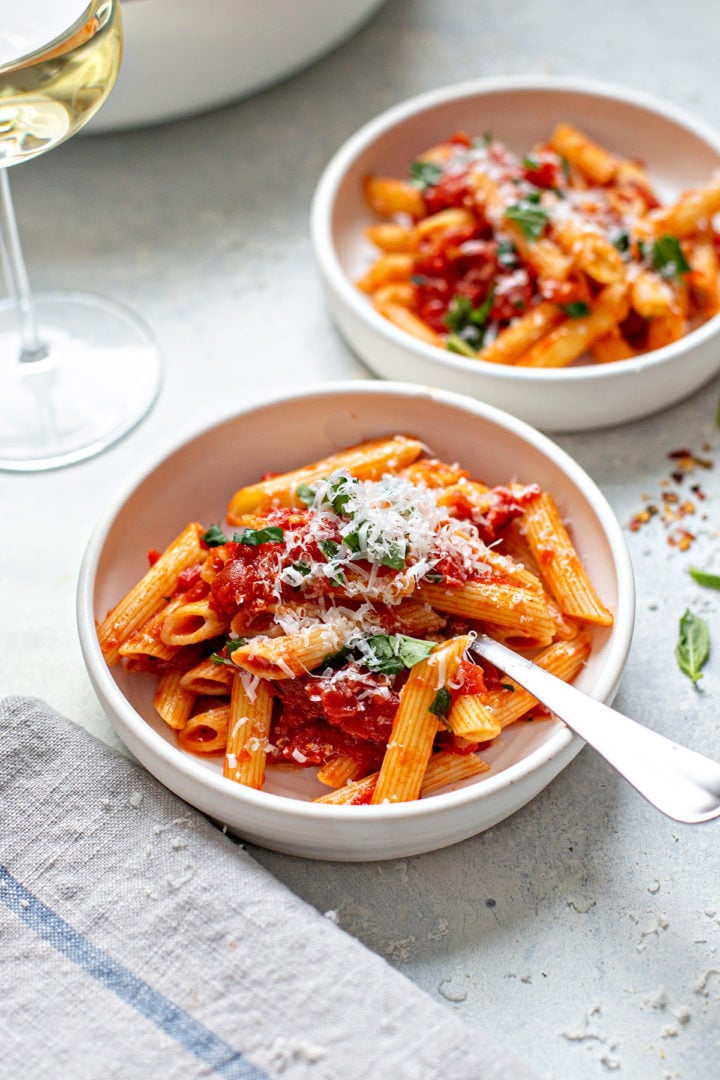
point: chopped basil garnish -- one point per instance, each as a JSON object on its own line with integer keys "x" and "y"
{"x": 395, "y": 558}
{"x": 702, "y": 577}
{"x": 441, "y": 704}
{"x": 576, "y": 310}
{"x": 693, "y": 646}
{"x": 529, "y": 216}
{"x": 667, "y": 258}
{"x": 425, "y": 174}
{"x": 506, "y": 254}
{"x": 508, "y": 686}
{"x": 305, "y": 494}
{"x": 390, "y": 654}
{"x": 271, "y": 534}
{"x": 329, "y": 548}
{"x": 435, "y": 579}
{"x": 214, "y": 537}
{"x": 466, "y": 324}
{"x": 302, "y": 568}
{"x": 622, "y": 242}
{"x": 230, "y": 647}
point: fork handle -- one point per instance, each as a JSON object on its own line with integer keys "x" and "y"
{"x": 679, "y": 782}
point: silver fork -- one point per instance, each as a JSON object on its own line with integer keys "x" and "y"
{"x": 679, "y": 782}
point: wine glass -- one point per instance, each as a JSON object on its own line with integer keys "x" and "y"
{"x": 77, "y": 371}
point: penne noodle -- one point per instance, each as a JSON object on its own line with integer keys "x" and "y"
{"x": 415, "y": 725}
{"x": 572, "y": 338}
{"x": 152, "y": 591}
{"x": 248, "y": 733}
{"x": 368, "y": 462}
{"x": 559, "y": 563}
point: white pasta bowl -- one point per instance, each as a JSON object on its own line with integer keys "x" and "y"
{"x": 678, "y": 151}
{"x": 194, "y": 482}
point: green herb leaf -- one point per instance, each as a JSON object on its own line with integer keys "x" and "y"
{"x": 425, "y": 174}
{"x": 508, "y": 686}
{"x": 506, "y": 254}
{"x": 667, "y": 258}
{"x": 622, "y": 242}
{"x": 576, "y": 310}
{"x": 230, "y": 647}
{"x": 693, "y": 646}
{"x": 329, "y": 548}
{"x": 302, "y": 568}
{"x": 441, "y": 704}
{"x": 436, "y": 579}
{"x": 456, "y": 344}
{"x": 702, "y": 577}
{"x": 214, "y": 537}
{"x": 531, "y": 217}
{"x": 341, "y": 492}
{"x": 531, "y": 163}
{"x": 395, "y": 558}
{"x": 305, "y": 494}
{"x": 393, "y": 653}
{"x": 336, "y": 659}
{"x": 271, "y": 534}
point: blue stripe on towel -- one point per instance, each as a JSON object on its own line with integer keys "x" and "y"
{"x": 174, "y": 1021}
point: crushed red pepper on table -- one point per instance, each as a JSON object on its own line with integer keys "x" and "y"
{"x": 673, "y": 506}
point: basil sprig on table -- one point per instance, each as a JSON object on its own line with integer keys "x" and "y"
{"x": 693, "y": 646}
{"x": 702, "y": 577}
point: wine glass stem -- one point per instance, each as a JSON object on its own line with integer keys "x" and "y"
{"x": 31, "y": 347}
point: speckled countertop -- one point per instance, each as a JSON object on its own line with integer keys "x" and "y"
{"x": 583, "y": 931}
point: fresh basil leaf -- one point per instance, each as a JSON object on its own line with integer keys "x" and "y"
{"x": 506, "y": 254}
{"x": 214, "y": 537}
{"x": 667, "y": 258}
{"x": 693, "y": 646}
{"x": 441, "y": 704}
{"x": 341, "y": 493}
{"x": 425, "y": 174}
{"x": 305, "y": 494}
{"x": 413, "y": 650}
{"x": 271, "y": 534}
{"x": 336, "y": 659}
{"x": 531, "y": 163}
{"x": 508, "y": 686}
{"x": 702, "y": 577}
{"x": 395, "y": 558}
{"x": 622, "y": 242}
{"x": 230, "y": 648}
{"x": 455, "y": 344}
{"x": 529, "y": 216}
{"x": 393, "y": 653}
{"x": 435, "y": 579}
{"x": 576, "y": 310}
{"x": 352, "y": 541}
{"x": 329, "y": 548}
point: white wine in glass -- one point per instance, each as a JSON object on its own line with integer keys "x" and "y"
{"x": 77, "y": 371}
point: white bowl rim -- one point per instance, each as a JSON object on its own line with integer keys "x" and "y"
{"x": 193, "y": 770}
{"x": 332, "y": 175}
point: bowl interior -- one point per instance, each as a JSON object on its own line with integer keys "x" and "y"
{"x": 677, "y": 154}
{"x": 196, "y": 480}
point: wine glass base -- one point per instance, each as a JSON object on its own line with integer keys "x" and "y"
{"x": 99, "y": 378}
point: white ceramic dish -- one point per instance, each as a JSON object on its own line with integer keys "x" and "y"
{"x": 679, "y": 152}
{"x": 182, "y": 57}
{"x": 195, "y": 481}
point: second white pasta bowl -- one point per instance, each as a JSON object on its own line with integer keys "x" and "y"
{"x": 194, "y": 481}
{"x": 678, "y": 153}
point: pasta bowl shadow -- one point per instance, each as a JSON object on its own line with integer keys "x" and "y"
{"x": 194, "y": 480}
{"x": 678, "y": 152}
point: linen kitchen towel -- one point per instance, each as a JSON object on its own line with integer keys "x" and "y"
{"x": 138, "y": 941}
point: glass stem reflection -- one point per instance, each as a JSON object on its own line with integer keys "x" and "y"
{"x": 31, "y": 347}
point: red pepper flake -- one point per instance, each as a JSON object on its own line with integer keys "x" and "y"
{"x": 674, "y": 508}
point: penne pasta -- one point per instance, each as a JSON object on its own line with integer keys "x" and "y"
{"x": 331, "y": 631}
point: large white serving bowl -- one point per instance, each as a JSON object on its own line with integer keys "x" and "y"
{"x": 679, "y": 151}
{"x": 194, "y": 482}
{"x": 182, "y": 57}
